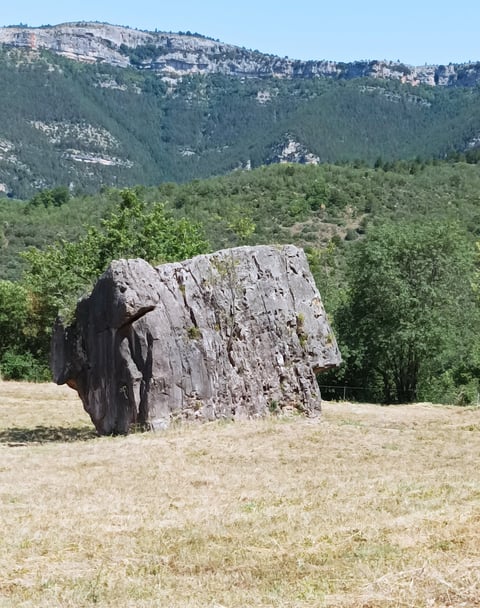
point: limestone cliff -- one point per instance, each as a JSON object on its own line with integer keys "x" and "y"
{"x": 174, "y": 55}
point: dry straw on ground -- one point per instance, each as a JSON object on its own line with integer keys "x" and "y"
{"x": 371, "y": 507}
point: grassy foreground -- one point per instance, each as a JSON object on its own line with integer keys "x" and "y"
{"x": 370, "y": 507}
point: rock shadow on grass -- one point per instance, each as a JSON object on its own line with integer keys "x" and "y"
{"x": 18, "y": 436}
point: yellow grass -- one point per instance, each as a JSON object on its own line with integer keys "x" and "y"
{"x": 371, "y": 507}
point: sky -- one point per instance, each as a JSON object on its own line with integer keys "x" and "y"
{"x": 414, "y": 32}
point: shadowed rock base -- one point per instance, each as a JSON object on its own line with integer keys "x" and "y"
{"x": 238, "y": 333}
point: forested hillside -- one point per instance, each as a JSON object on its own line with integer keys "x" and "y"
{"x": 121, "y": 143}
{"x": 84, "y": 126}
{"x": 393, "y": 250}
{"x": 309, "y": 205}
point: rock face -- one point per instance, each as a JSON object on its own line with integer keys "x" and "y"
{"x": 185, "y": 54}
{"x": 237, "y": 333}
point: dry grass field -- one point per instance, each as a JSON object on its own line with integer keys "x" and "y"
{"x": 369, "y": 507}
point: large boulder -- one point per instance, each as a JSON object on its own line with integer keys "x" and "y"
{"x": 234, "y": 334}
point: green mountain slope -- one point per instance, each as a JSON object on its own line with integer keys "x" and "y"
{"x": 84, "y": 126}
{"x": 307, "y": 205}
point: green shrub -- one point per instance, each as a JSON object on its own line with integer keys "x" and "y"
{"x": 23, "y": 366}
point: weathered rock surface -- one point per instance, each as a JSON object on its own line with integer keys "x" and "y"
{"x": 183, "y": 54}
{"x": 233, "y": 334}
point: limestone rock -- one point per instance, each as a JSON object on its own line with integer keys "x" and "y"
{"x": 237, "y": 333}
{"x": 184, "y": 54}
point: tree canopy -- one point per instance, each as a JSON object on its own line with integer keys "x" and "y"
{"x": 410, "y": 312}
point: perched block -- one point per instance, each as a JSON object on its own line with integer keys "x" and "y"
{"x": 234, "y": 334}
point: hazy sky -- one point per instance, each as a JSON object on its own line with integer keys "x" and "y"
{"x": 416, "y": 32}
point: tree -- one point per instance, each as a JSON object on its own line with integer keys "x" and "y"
{"x": 17, "y": 345}
{"x": 51, "y": 198}
{"x": 13, "y": 315}
{"x": 411, "y": 312}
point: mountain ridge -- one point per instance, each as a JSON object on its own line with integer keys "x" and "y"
{"x": 172, "y": 55}
{"x": 93, "y": 105}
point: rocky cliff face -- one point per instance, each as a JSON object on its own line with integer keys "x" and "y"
{"x": 238, "y": 333}
{"x": 174, "y": 55}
